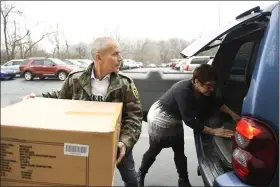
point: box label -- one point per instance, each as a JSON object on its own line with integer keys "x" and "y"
{"x": 43, "y": 163}
{"x": 76, "y": 149}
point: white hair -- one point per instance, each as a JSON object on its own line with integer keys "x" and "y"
{"x": 100, "y": 44}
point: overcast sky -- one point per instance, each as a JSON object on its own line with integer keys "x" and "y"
{"x": 81, "y": 21}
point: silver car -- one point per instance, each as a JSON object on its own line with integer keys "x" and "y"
{"x": 14, "y": 65}
{"x": 189, "y": 64}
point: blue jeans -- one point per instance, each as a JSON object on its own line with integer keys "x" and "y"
{"x": 127, "y": 170}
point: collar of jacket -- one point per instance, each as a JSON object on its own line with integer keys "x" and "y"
{"x": 94, "y": 78}
{"x": 85, "y": 80}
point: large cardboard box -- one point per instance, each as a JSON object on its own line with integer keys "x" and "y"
{"x": 59, "y": 142}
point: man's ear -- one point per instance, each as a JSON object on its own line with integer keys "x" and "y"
{"x": 98, "y": 56}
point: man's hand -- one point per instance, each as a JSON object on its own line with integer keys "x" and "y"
{"x": 122, "y": 150}
{"x": 223, "y": 132}
{"x": 235, "y": 117}
{"x": 32, "y": 95}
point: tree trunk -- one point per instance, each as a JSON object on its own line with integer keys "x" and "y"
{"x": 5, "y": 36}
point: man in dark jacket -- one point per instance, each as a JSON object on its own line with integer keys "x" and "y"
{"x": 191, "y": 101}
{"x": 102, "y": 81}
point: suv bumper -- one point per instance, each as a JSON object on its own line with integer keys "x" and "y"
{"x": 228, "y": 179}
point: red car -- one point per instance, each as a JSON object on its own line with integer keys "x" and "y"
{"x": 45, "y": 67}
{"x": 173, "y": 62}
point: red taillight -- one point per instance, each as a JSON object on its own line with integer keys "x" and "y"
{"x": 245, "y": 129}
{"x": 186, "y": 68}
{"x": 255, "y": 152}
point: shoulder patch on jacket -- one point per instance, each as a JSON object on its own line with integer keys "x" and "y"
{"x": 131, "y": 84}
{"x": 134, "y": 91}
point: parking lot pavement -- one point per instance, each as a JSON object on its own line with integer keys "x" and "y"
{"x": 162, "y": 173}
{"x": 12, "y": 91}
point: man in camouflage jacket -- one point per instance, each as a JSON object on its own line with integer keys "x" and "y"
{"x": 78, "y": 86}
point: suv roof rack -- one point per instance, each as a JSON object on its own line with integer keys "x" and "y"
{"x": 248, "y": 12}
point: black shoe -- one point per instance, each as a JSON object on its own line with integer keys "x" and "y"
{"x": 184, "y": 182}
{"x": 140, "y": 178}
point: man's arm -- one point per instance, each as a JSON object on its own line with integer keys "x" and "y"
{"x": 65, "y": 92}
{"x": 132, "y": 117}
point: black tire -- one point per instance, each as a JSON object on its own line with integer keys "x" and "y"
{"x": 28, "y": 76}
{"x": 61, "y": 75}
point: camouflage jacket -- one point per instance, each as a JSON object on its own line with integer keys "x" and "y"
{"x": 77, "y": 86}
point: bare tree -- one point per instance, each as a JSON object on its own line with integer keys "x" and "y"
{"x": 14, "y": 39}
{"x": 145, "y": 50}
{"x": 3, "y": 55}
{"x": 32, "y": 43}
{"x": 57, "y": 40}
{"x": 164, "y": 51}
{"x": 5, "y": 13}
{"x": 53, "y": 53}
{"x": 40, "y": 52}
{"x": 126, "y": 46}
{"x": 54, "y": 39}
{"x": 81, "y": 50}
{"x": 67, "y": 48}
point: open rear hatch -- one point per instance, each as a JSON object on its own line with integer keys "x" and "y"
{"x": 209, "y": 38}
{"x": 215, "y": 153}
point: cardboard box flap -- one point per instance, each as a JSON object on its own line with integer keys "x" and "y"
{"x": 61, "y": 114}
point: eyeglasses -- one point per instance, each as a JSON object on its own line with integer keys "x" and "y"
{"x": 209, "y": 86}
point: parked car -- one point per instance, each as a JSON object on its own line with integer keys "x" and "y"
{"x": 173, "y": 62}
{"x": 14, "y": 65}
{"x": 247, "y": 63}
{"x": 152, "y": 66}
{"x": 45, "y": 67}
{"x": 84, "y": 61}
{"x": 77, "y": 63}
{"x": 129, "y": 64}
{"x": 139, "y": 64}
{"x": 164, "y": 65}
{"x": 189, "y": 64}
{"x": 7, "y": 72}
